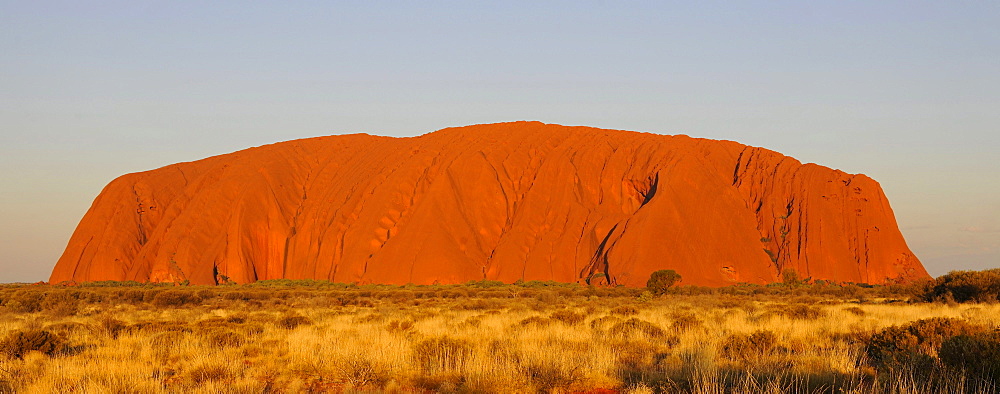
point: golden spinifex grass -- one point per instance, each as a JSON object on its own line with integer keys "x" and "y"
{"x": 474, "y": 338}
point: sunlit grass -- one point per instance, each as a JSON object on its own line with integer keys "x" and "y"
{"x": 497, "y": 340}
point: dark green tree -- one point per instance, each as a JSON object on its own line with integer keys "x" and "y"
{"x": 662, "y": 280}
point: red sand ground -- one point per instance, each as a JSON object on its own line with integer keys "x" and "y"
{"x": 508, "y": 201}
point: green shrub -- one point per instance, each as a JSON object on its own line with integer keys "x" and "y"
{"x": 660, "y": 281}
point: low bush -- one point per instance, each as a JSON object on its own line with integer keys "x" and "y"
{"x": 61, "y": 303}
{"x": 624, "y": 310}
{"x": 567, "y": 317}
{"x": 977, "y": 354}
{"x": 536, "y": 321}
{"x": 359, "y": 371}
{"x": 965, "y": 286}
{"x": 20, "y": 343}
{"x": 225, "y": 338}
{"x": 292, "y": 321}
{"x": 175, "y": 298}
{"x": 634, "y": 326}
{"x": 743, "y": 347}
{"x": 916, "y": 343}
{"x": 441, "y": 354}
{"x": 549, "y": 377}
{"x": 803, "y": 312}
{"x": 110, "y": 327}
{"x": 205, "y": 373}
{"x": 685, "y": 321}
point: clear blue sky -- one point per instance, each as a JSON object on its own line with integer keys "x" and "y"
{"x": 907, "y": 92}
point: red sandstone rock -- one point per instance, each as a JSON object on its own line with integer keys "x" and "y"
{"x": 504, "y": 202}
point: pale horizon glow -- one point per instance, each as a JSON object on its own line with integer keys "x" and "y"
{"x": 906, "y": 92}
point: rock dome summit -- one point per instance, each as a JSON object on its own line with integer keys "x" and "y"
{"x": 506, "y": 202}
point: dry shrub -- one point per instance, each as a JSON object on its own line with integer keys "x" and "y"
{"x": 205, "y": 294}
{"x": 685, "y": 321}
{"x": 60, "y": 304}
{"x": 130, "y": 296}
{"x": 473, "y": 322}
{"x": 602, "y": 323}
{"x": 441, "y": 354}
{"x": 245, "y": 295}
{"x": 978, "y": 355}
{"x": 25, "y": 302}
{"x": 546, "y": 296}
{"x": 225, "y": 338}
{"x": 19, "y": 343}
{"x": 68, "y": 327}
{"x": 624, "y": 310}
{"x": 550, "y": 375}
{"x": 481, "y": 304}
{"x": 148, "y": 295}
{"x": 401, "y": 296}
{"x": 237, "y": 318}
{"x": 633, "y": 326}
{"x": 640, "y": 355}
{"x": 440, "y": 383}
{"x": 175, "y": 298}
{"x": 494, "y": 294}
{"x": 535, "y": 321}
{"x": 965, "y": 286}
{"x": 160, "y": 326}
{"x": 205, "y": 373}
{"x": 749, "y": 347}
{"x": 400, "y": 326}
{"x": 253, "y": 329}
{"x": 916, "y": 343}
{"x": 291, "y": 321}
{"x": 360, "y": 372}
{"x": 568, "y": 317}
{"x": 804, "y": 312}
{"x": 166, "y": 339}
{"x": 110, "y": 327}
{"x": 854, "y": 310}
{"x": 213, "y": 322}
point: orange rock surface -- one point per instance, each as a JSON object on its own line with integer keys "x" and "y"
{"x": 509, "y": 201}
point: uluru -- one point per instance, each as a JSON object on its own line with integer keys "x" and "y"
{"x": 504, "y": 202}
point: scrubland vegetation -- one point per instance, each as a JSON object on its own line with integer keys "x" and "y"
{"x": 313, "y": 336}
